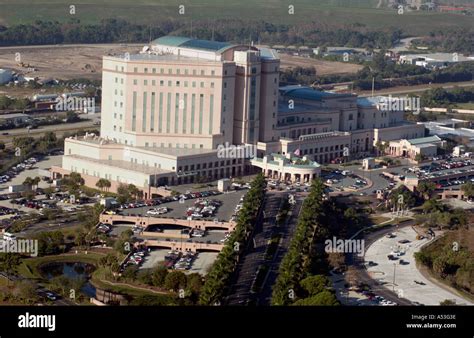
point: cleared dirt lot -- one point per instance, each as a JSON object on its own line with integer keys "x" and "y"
{"x": 322, "y": 67}
{"x": 63, "y": 61}
{"x": 85, "y": 60}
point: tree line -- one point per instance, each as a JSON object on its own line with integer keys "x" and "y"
{"x": 441, "y": 97}
{"x": 296, "y": 284}
{"x": 460, "y": 40}
{"x": 239, "y": 31}
{"x": 218, "y": 278}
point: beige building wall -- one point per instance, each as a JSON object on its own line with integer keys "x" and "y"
{"x": 405, "y": 131}
{"x": 270, "y": 73}
{"x": 174, "y": 103}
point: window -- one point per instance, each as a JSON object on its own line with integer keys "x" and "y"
{"x": 135, "y": 70}
{"x": 202, "y": 71}
{"x": 116, "y": 80}
{"x": 202, "y": 84}
{"x": 212, "y": 84}
{"x": 135, "y": 82}
{"x": 153, "y": 70}
{"x": 213, "y": 72}
{"x": 145, "y": 82}
{"x": 146, "y": 70}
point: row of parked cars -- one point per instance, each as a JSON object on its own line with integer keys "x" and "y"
{"x": 7, "y": 211}
{"x": 157, "y": 211}
{"x": 237, "y": 209}
{"x": 203, "y": 208}
{"x": 179, "y": 261}
{"x": 198, "y": 233}
{"x": 375, "y": 299}
{"x": 15, "y": 170}
{"x": 104, "y": 228}
{"x": 136, "y": 258}
{"x": 161, "y": 200}
{"x": 33, "y": 204}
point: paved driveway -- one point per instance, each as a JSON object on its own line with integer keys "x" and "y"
{"x": 406, "y": 274}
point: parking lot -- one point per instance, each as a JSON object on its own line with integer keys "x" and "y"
{"x": 199, "y": 263}
{"x": 342, "y": 180}
{"x": 177, "y": 209}
{"x": 409, "y": 282}
{"x": 32, "y": 172}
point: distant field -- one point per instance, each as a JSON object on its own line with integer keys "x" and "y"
{"x": 331, "y": 12}
{"x": 322, "y": 67}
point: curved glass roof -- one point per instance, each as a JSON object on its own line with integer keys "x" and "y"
{"x": 179, "y": 41}
{"x": 307, "y": 93}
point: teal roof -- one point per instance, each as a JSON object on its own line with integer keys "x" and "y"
{"x": 307, "y": 93}
{"x": 171, "y": 40}
{"x": 179, "y": 41}
{"x": 424, "y": 140}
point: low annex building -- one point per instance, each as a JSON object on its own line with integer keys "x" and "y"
{"x": 425, "y": 146}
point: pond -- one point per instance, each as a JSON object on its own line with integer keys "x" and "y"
{"x": 73, "y": 271}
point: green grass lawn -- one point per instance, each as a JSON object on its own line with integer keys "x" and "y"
{"x": 469, "y": 105}
{"x": 331, "y": 12}
{"x": 377, "y": 219}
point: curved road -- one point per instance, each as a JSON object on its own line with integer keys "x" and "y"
{"x": 362, "y": 273}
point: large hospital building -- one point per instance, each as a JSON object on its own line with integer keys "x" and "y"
{"x": 168, "y": 112}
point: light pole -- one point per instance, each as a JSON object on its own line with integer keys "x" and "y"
{"x": 394, "y": 270}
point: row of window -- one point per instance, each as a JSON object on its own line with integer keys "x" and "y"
{"x": 209, "y": 165}
{"x": 166, "y": 107}
{"x": 169, "y": 71}
{"x": 324, "y": 149}
{"x": 176, "y": 83}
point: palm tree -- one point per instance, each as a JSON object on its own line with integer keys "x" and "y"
{"x": 101, "y": 184}
{"x": 107, "y": 184}
{"x": 28, "y": 181}
{"x": 35, "y": 181}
